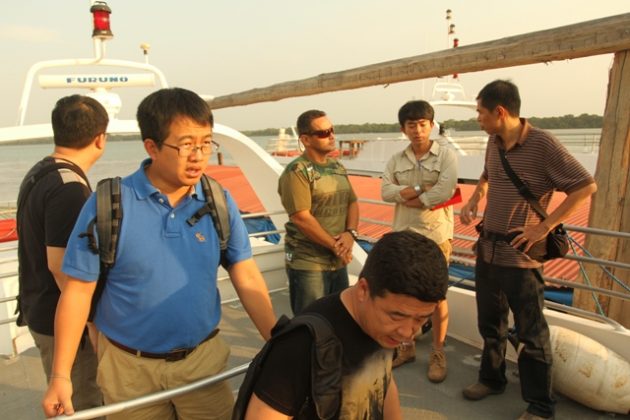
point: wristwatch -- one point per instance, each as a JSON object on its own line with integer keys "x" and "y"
{"x": 354, "y": 233}
{"x": 417, "y": 189}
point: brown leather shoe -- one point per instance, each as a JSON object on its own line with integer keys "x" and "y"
{"x": 437, "y": 366}
{"x": 479, "y": 391}
{"x": 405, "y": 353}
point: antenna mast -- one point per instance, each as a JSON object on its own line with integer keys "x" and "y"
{"x": 451, "y": 40}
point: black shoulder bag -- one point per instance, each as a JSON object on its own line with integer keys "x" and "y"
{"x": 557, "y": 240}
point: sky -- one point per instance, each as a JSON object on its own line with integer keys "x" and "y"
{"x": 220, "y": 47}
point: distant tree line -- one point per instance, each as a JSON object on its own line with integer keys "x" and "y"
{"x": 565, "y": 121}
{"x": 339, "y": 128}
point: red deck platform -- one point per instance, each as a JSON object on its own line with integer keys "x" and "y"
{"x": 233, "y": 179}
{"x": 8, "y": 232}
{"x": 365, "y": 187}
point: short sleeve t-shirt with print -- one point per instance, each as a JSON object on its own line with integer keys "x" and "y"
{"x": 284, "y": 382}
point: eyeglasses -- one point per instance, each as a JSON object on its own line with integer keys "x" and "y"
{"x": 188, "y": 149}
{"x": 322, "y": 134}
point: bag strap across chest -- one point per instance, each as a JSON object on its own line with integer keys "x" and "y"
{"x": 522, "y": 189}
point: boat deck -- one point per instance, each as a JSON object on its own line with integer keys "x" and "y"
{"x": 22, "y": 382}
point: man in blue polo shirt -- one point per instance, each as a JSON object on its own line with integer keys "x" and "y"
{"x": 161, "y": 295}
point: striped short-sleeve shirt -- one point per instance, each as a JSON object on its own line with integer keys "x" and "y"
{"x": 544, "y": 165}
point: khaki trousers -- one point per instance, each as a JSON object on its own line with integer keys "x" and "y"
{"x": 123, "y": 376}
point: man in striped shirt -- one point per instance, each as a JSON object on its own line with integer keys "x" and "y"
{"x": 507, "y": 272}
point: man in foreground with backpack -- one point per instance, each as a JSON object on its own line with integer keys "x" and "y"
{"x": 403, "y": 278}
{"x": 50, "y": 199}
{"x": 160, "y": 307}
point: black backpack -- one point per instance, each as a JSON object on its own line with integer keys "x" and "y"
{"x": 326, "y": 356}
{"x": 109, "y": 215}
{"x": 25, "y": 190}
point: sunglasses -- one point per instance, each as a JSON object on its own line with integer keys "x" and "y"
{"x": 322, "y": 134}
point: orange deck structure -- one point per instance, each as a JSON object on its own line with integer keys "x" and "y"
{"x": 8, "y": 232}
{"x": 233, "y": 179}
{"x": 370, "y": 188}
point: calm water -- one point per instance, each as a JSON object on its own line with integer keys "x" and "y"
{"x": 124, "y": 157}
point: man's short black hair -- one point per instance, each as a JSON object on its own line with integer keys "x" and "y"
{"x": 304, "y": 120}
{"x": 415, "y": 110}
{"x": 157, "y": 111}
{"x": 76, "y": 120}
{"x": 501, "y": 92}
{"x": 408, "y": 263}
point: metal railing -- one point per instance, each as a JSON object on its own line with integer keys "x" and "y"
{"x": 166, "y": 394}
{"x": 8, "y": 320}
{"x": 156, "y": 397}
{"x": 171, "y": 393}
{"x": 585, "y": 314}
{"x": 455, "y": 258}
{"x": 568, "y": 227}
{"x": 578, "y": 258}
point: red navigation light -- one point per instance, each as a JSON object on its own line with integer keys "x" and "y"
{"x": 101, "y": 11}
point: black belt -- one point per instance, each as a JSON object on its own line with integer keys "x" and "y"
{"x": 494, "y": 236}
{"x": 171, "y": 356}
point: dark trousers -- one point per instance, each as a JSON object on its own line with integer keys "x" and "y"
{"x": 500, "y": 289}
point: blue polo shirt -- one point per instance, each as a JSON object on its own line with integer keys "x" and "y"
{"x": 161, "y": 294}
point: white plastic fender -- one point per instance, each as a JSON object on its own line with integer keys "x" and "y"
{"x": 588, "y": 372}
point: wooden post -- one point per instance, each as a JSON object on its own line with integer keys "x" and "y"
{"x": 610, "y": 206}
{"x": 601, "y": 36}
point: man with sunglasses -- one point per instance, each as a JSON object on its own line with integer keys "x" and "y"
{"x": 323, "y": 215}
{"x": 160, "y": 307}
{"x": 417, "y": 179}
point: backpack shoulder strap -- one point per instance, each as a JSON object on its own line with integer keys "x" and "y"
{"x": 109, "y": 214}
{"x": 37, "y": 176}
{"x": 108, "y": 220}
{"x": 219, "y": 213}
{"x": 216, "y": 207}
{"x": 326, "y": 356}
{"x": 326, "y": 369}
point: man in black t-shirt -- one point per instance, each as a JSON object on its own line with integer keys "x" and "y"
{"x": 49, "y": 201}
{"x": 404, "y": 277}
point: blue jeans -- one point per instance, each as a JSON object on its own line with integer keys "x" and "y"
{"x": 500, "y": 289}
{"x": 306, "y": 287}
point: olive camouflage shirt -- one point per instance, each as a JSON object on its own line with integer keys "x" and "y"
{"x": 326, "y": 191}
